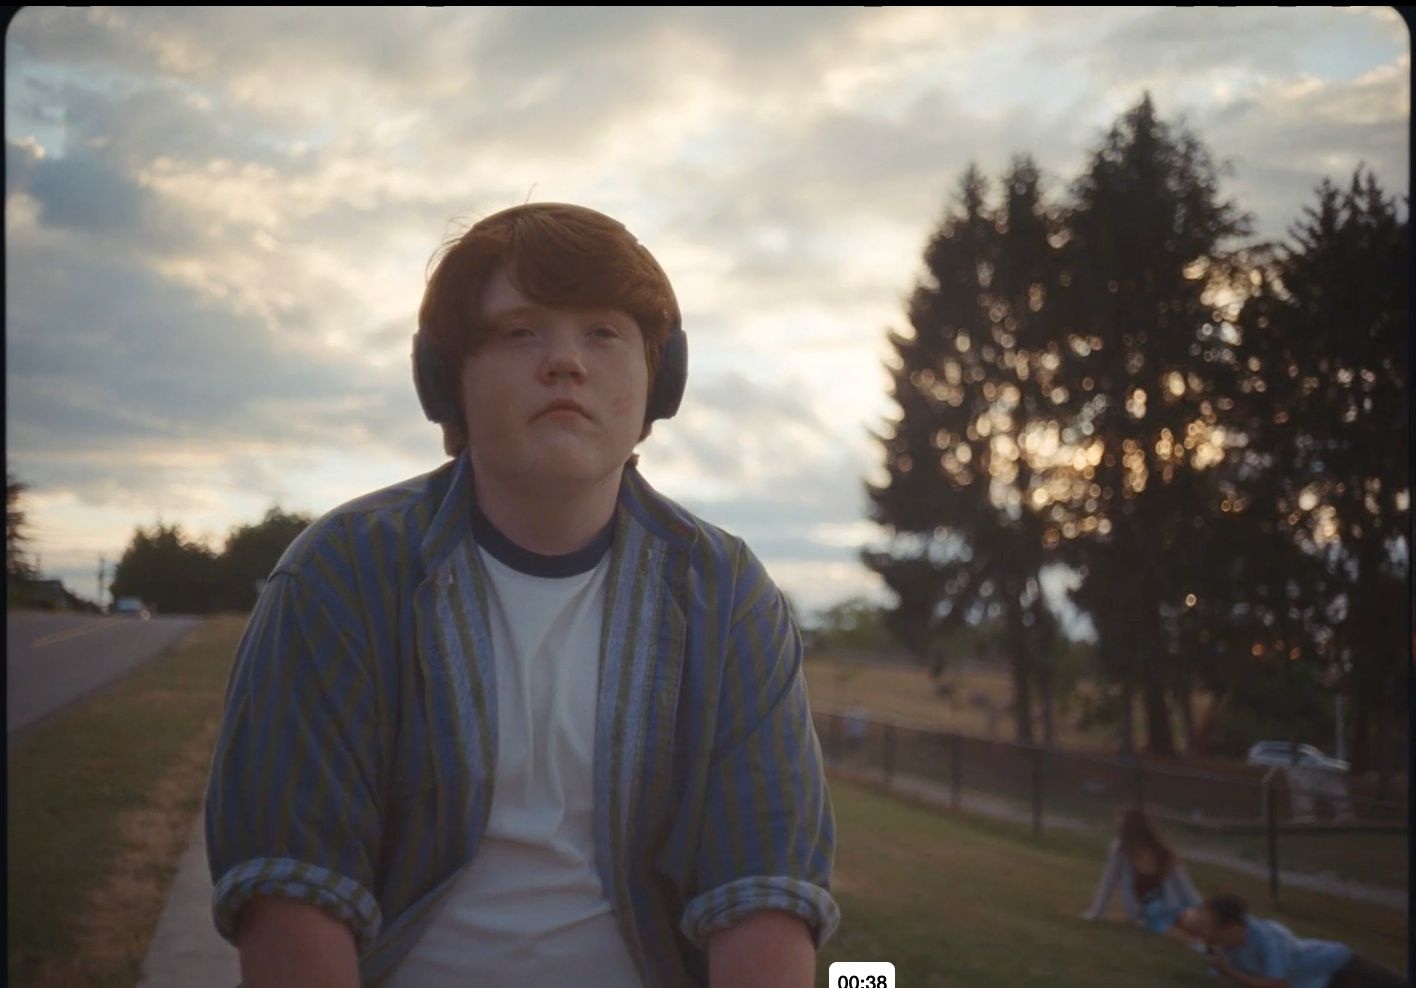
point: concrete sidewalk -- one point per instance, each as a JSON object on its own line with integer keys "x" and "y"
{"x": 186, "y": 950}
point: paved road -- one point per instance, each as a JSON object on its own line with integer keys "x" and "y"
{"x": 52, "y": 659}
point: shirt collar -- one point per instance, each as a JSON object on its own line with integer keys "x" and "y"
{"x": 452, "y": 503}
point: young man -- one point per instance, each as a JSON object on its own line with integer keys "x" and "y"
{"x": 1263, "y": 953}
{"x": 523, "y": 720}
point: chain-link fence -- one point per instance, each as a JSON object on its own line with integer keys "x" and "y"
{"x": 1296, "y": 827}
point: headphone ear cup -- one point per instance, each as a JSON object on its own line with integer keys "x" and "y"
{"x": 672, "y": 375}
{"x": 435, "y": 383}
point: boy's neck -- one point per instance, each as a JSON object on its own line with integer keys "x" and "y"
{"x": 549, "y": 522}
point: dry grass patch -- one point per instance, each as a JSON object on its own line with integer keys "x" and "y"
{"x": 101, "y": 803}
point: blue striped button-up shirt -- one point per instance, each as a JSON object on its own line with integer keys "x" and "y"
{"x": 354, "y": 768}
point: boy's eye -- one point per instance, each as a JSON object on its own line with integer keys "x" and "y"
{"x": 516, "y": 332}
{"x": 605, "y": 332}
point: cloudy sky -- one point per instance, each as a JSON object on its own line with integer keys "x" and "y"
{"x": 218, "y": 222}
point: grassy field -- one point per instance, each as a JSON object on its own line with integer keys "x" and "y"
{"x": 959, "y": 900}
{"x": 903, "y": 690}
{"x": 1374, "y": 859}
{"x": 906, "y": 692}
{"x": 101, "y": 801}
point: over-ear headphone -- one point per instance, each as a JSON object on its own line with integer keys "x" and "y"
{"x": 436, "y": 379}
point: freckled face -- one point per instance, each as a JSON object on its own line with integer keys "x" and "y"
{"x": 552, "y": 396}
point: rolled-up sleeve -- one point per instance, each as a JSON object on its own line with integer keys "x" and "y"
{"x": 768, "y": 837}
{"x": 291, "y": 805}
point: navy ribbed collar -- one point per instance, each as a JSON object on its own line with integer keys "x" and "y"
{"x": 522, "y": 560}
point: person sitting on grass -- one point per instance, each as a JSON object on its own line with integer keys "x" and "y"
{"x": 1155, "y": 888}
{"x": 1263, "y": 953}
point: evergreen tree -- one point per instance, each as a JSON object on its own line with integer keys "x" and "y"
{"x": 1147, "y": 346}
{"x": 1327, "y": 346}
{"x": 973, "y": 385}
{"x": 17, "y": 566}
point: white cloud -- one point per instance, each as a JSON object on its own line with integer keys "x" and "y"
{"x": 218, "y": 219}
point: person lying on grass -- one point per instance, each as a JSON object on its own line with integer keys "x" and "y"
{"x": 1263, "y": 953}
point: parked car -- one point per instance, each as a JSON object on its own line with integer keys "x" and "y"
{"x": 1280, "y": 753}
{"x": 131, "y": 607}
{"x": 1314, "y": 777}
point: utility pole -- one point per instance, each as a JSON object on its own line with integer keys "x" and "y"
{"x": 101, "y": 565}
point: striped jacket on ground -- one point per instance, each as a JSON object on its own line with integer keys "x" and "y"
{"x": 354, "y": 768}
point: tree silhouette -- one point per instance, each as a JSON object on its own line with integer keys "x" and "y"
{"x": 167, "y": 570}
{"x": 1327, "y": 349}
{"x": 972, "y": 382}
{"x": 175, "y": 573}
{"x": 1148, "y": 239}
{"x": 17, "y": 567}
{"x": 1212, "y": 436}
{"x": 251, "y": 553}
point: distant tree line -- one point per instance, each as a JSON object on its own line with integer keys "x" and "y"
{"x": 175, "y": 573}
{"x": 161, "y": 565}
{"x": 18, "y": 568}
{"x": 1210, "y": 433}
{"x": 25, "y": 586}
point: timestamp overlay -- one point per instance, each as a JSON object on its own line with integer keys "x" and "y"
{"x": 861, "y": 974}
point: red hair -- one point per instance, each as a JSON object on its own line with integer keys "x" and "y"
{"x": 558, "y": 255}
{"x": 1137, "y": 832}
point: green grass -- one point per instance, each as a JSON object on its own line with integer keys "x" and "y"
{"x": 1375, "y": 859}
{"x": 949, "y": 899}
{"x": 959, "y": 900}
{"x": 73, "y": 781}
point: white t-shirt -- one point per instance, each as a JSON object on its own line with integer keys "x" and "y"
{"x": 530, "y": 909}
